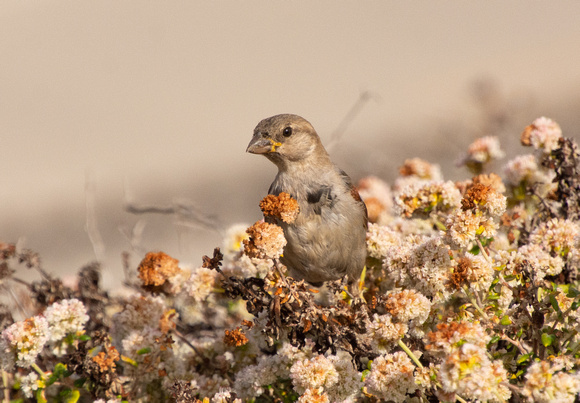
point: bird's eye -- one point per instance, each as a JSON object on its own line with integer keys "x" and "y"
{"x": 287, "y": 132}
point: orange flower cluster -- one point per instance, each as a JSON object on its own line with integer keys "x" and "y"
{"x": 106, "y": 360}
{"x": 156, "y": 268}
{"x": 283, "y": 207}
{"x": 235, "y": 338}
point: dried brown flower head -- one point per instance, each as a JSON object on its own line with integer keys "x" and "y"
{"x": 283, "y": 207}
{"x": 266, "y": 241}
{"x": 419, "y": 168}
{"x": 542, "y": 134}
{"x": 492, "y": 180}
{"x": 460, "y": 273}
{"x": 7, "y": 250}
{"x": 235, "y": 338}
{"x": 475, "y": 194}
{"x": 106, "y": 359}
{"x": 156, "y": 268}
{"x": 167, "y": 321}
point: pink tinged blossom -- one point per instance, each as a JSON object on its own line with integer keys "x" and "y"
{"x": 543, "y": 134}
{"x": 26, "y": 339}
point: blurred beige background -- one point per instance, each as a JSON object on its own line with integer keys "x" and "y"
{"x": 155, "y": 102}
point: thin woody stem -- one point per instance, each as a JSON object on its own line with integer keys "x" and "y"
{"x": 483, "y": 252}
{"x": 409, "y": 353}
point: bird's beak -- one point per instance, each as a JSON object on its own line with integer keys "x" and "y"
{"x": 262, "y": 145}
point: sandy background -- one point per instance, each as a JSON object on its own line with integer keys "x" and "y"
{"x": 155, "y": 102}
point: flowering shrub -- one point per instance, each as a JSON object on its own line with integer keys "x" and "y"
{"x": 470, "y": 293}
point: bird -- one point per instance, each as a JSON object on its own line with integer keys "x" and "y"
{"x": 327, "y": 240}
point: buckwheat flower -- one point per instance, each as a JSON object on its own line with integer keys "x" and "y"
{"x": 451, "y": 335}
{"x": 463, "y": 227}
{"x": 481, "y": 151}
{"x": 66, "y": 317}
{"x": 525, "y": 169}
{"x": 313, "y": 373}
{"x": 424, "y": 198}
{"x": 224, "y": 396}
{"x": 506, "y": 296}
{"x": 421, "y": 263}
{"x": 537, "y": 260}
{"x": 210, "y": 385}
{"x": 391, "y": 377}
{"x": 406, "y": 226}
{"x": 570, "y": 320}
{"x": 474, "y": 271}
{"x": 380, "y": 239}
{"x": 246, "y": 266}
{"x": 543, "y": 134}
{"x": 492, "y": 180}
{"x": 234, "y": 240}
{"x": 421, "y": 169}
{"x": 266, "y": 241}
{"x": 26, "y": 339}
{"x": 253, "y": 380}
{"x": 314, "y": 395}
{"x": 349, "y": 384}
{"x": 378, "y": 198}
{"x": 484, "y": 198}
{"x": 138, "y": 313}
{"x": 30, "y": 383}
{"x": 468, "y": 372}
{"x": 544, "y": 384}
{"x": 384, "y": 333}
{"x": 558, "y": 236}
{"x": 201, "y": 283}
{"x": 424, "y": 377}
{"x": 408, "y": 306}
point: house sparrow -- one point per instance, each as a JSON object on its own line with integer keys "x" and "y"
{"x": 328, "y": 238}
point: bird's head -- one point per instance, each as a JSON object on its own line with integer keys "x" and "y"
{"x": 285, "y": 139}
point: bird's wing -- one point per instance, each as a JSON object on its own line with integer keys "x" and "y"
{"x": 355, "y": 195}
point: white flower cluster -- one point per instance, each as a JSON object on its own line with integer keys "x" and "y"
{"x": 66, "y": 317}
{"x": 25, "y": 340}
{"x": 391, "y": 377}
{"x": 424, "y": 197}
{"x": 545, "y": 383}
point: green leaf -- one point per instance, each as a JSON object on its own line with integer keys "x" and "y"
{"x": 365, "y": 373}
{"x": 548, "y": 339}
{"x": 60, "y": 371}
{"x": 505, "y": 320}
{"x": 70, "y": 396}
{"x": 145, "y": 350}
{"x": 79, "y": 383}
{"x": 40, "y": 396}
{"x": 555, "y": 303}
{"x": 523, "y": 358}
{"x": 475, "y": 250}
{"x": 494, "y": 340}
{"x": 572, "y": 292}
